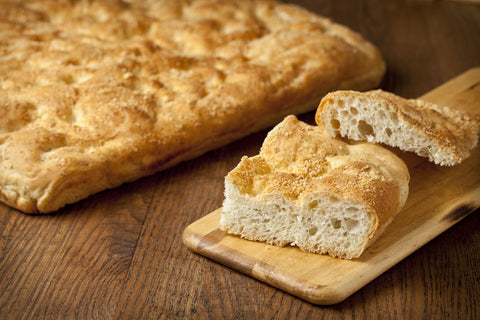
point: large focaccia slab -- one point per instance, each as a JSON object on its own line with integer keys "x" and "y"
{"x": 95, "y": 94}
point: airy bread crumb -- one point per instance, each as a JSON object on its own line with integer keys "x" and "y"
{"x": 314, "y": 191}
{"x": 443, "y": 135}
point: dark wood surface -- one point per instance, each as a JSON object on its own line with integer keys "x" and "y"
{"x": 119, "y": 254}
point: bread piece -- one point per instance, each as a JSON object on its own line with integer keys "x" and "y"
{"x": 445, "y": 136}
{"x": 98, "y": 93}
{"x": 314, "y": 191}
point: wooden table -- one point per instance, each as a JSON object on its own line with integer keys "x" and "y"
{"x": 119, "y": 254}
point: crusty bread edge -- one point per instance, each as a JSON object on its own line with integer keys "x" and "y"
{"x": 60, "y": 193}
{"x": 51, "y": 200}
{"x": 382, "y": 217}
{"x": 447, "y": 153}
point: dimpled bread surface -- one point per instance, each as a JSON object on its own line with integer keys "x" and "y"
{"x": 319, "y": 193}
{"x": 97, "y": 93}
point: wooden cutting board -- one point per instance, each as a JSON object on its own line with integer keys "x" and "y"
{"x": 439, "y": 197}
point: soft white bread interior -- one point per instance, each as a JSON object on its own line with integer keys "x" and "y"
{"x": 444, "y": 135}
{"x": 319, "y": 193}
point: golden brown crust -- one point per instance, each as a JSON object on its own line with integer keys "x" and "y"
{"x": 95, "y": 94}
{"x": 449, "y": 134}
{"x": 365, "y": 173}
{"x": 456, "y": 131}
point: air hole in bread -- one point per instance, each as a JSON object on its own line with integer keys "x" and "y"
{"x": 381, "y": 114}
{"x": 423, "y": 152}
{"x": 365, "y": 129}
{"x": 388, "y": 131}
{"x": 313, "y": 230}
{"x": 353, "y": 111}
{"x": 333, "y": 199}
{"x": 352, "y": 210}
{"x": 336, "y": 223}
{"x": 335, "y": 124}
{"x": 351, "y": 223}
{"x": 313, "y": 204}
{"x": 393, "y": 117}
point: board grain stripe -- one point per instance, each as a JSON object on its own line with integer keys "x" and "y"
{"x": 460, "y": 212}
{"x": 439, "y": 197}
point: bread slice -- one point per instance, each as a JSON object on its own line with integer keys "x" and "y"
{"x": 319, "y": 193}
{"x": 444, "y": 135}
{"x": 97, "y": 93}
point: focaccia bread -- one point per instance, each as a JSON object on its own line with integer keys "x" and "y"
{"x": 443, "y": 135}
{"x": 98, "y": 93}
{"x": 319, "y": 193}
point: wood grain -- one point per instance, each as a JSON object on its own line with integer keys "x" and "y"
{"x": 439, "y": 197}
{"x": 119, "y": 254}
